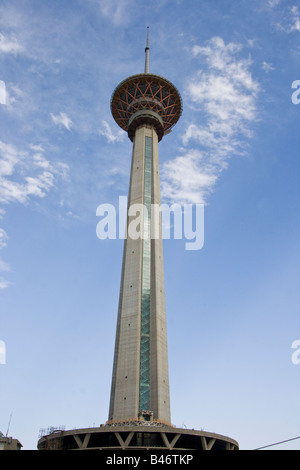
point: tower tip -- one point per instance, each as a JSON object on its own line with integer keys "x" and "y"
{"x": 147, "y": 53}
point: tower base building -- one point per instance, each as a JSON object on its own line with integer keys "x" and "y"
{"x": 136, "y": 437}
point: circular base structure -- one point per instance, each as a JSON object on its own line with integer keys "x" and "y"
{"x": 136, "y": 437}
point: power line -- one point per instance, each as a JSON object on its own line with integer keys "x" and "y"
{"x": 277, "y": 443}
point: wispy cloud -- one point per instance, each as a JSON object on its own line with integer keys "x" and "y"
{"x": 117, "y": 11}
{"x": 9, "y": 45}
{"x": 108, "y": 133}
{"x": 3, "y": 265}
{"x": 267, "y": 67}
{"x": 62, "y": 120}
{"x": 25, "y": 173}
{"x": 3, "y": 238}
{"x": 295, "y": 23}
{"x": 225, "y": 94}
{"x": 13, "y": 95}
{"x": 290, "y": 20}
{"x": 4, "y": 283}
{"x": 273, "y": 3}
{"x": 188, "y": 178}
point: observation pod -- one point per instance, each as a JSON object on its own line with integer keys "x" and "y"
{"x": 146, "y": 98}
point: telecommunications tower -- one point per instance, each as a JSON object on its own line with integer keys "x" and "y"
{"x": 146, "y": 106}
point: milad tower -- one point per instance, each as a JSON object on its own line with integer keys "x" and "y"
{"x": 146, "y": 106}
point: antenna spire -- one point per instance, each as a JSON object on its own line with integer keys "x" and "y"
{"x": 8, "y": 424}
{"x": 147, "y": 54}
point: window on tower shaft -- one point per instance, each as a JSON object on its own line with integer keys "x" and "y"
{"x": 144, "y": 395}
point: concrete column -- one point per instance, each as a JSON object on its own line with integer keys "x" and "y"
{"x": 124, "y": 403}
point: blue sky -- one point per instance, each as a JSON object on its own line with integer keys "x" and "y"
{"x": 233, "y": 306}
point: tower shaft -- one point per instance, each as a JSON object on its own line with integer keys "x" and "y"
{"x": 140, "y": 381}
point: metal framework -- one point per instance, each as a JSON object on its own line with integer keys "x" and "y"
{"x": 146, "y": 92}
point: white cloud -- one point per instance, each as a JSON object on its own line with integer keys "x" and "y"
{"x": 62, "y": 119}
{"x": 9, "y": 45}
{"x": 61, "y": 170}
{"x": 188, "y": 178}
{"x": 4, "y": 283}
{"x": 290, "y": 21}
{"x": 40, "y": 185}
{"x": 273, "y": 3}
{"x": 224, "y": 93}
{"x": 108, "y": 133}
{"x": 23, "y": 174}
{"x": 40, "y": 161}
{"x": 4, "y": 266}
{"x": 295, "y": 25}
{"x": 13, "y": 95}
{"x": 3, "y": 238}
{"x": 267, "y": 67}
{"x": 9, "y": 158}
{"x": 117, "y": 11}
